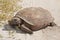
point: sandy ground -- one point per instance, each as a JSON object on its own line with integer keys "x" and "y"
{"x": 50, "y": 33}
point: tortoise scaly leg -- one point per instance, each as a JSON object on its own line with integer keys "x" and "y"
{"x": 25, "y": 29}
{"x": 52, "y": 24}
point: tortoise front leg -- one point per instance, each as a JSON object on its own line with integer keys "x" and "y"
{"x": 25, "y": 29}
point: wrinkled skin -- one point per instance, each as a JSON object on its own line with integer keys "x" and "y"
{"x": 32, "y": 19}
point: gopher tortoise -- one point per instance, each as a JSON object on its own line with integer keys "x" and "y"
{"x": 32, "y": 19}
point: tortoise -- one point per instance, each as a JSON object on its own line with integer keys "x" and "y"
{"x": 32, "y": 19}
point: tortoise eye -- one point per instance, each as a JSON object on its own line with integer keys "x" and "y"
{"x": 15, "y": 19}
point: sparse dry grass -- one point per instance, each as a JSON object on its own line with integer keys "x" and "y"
{"x": 7, "y": 8}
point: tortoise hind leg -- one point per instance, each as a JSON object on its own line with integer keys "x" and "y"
{"x": 52, "y": 24}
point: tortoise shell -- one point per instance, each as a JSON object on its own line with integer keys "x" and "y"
{"x": 35, "y": 16}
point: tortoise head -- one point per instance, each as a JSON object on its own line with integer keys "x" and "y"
{"x": 14, "y": 21}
